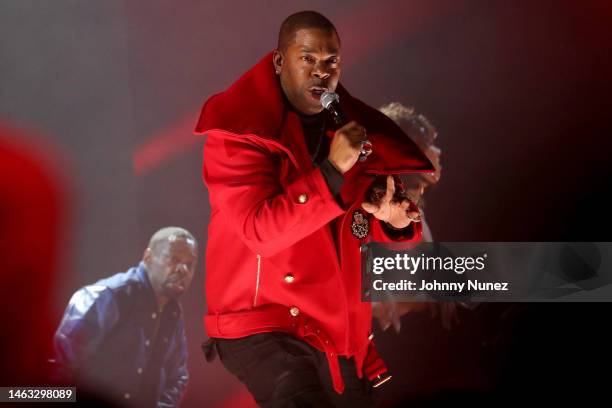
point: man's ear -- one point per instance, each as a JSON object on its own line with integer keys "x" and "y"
{"x": 146, "y": 256}
{"x": 277, "y": 60}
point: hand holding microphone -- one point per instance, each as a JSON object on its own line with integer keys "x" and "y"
{"x": 345, "y": 147}
{"x": 351, "y": 136}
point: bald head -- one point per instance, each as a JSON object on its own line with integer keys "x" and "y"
{"x": 298, "y": 21}
{"x": 171, "y": 234}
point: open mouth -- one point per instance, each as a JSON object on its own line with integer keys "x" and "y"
{"x": 316, "y": 92}
{"x": 176, "y": 285}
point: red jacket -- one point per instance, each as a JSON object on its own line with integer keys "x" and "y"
{"x": 275, "y": 261}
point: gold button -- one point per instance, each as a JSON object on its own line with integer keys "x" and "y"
{"x": 126, "y": 395}
{"x": 153, "y": 315}
{"x": 294, "y": 311}
{"x": 147, "y": 343}
{"x": 303, "y": 198}
{"x": 371, "y": 336}
{"x": 139, "y": 371}
{"x": 289, "y": 278}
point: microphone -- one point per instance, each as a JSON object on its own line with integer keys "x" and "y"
{"x": 331, "y": 102}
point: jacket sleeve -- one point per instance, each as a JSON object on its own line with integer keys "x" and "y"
{"x": 176, "y": 370}
{"x": 244, "y": 183}
{"x": 89, "y": 317}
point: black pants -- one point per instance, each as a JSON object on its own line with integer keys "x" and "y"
{"x": 282, "y": 371}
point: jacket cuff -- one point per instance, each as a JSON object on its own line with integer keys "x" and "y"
{"x": 381, "y": 232}
{"x": 332, "y": 176}
{"x": 393, "y": 232}
{"x": 312, "y": 191}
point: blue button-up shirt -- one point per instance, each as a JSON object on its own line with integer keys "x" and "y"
{"x": 113, "y": 339}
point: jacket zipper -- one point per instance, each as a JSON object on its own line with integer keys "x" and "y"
{"x": 257, "y": 283}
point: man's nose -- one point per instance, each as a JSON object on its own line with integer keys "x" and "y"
{"x": 320, "y": 71}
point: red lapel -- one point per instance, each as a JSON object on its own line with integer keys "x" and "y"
{"x": 254, "y": 105}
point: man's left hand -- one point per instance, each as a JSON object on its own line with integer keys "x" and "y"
{"x": 399, "y": 214}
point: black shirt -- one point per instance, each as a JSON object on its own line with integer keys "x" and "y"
{"x": 317, "y": 142}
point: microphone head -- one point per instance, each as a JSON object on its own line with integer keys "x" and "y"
{"x": 327, "y": 98}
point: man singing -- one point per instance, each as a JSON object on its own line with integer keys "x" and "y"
{"x": 292, "y": 206}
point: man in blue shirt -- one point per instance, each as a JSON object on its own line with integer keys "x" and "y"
{"x": 123, "y": 337}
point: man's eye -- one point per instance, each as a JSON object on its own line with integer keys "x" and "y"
{"x": 307, "y": 58}
{"x": 332, "y": 61}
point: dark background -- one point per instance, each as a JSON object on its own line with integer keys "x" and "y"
{"x": 518, "y": 90}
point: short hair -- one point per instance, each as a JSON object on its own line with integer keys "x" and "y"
{"x": 172, "y": 233}
{"x": 417, "y": 126}
{"x": 299, "y": 20}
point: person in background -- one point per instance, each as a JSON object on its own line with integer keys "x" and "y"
{"x": 124, "y": 337}
{"x": 424, "y": 134}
